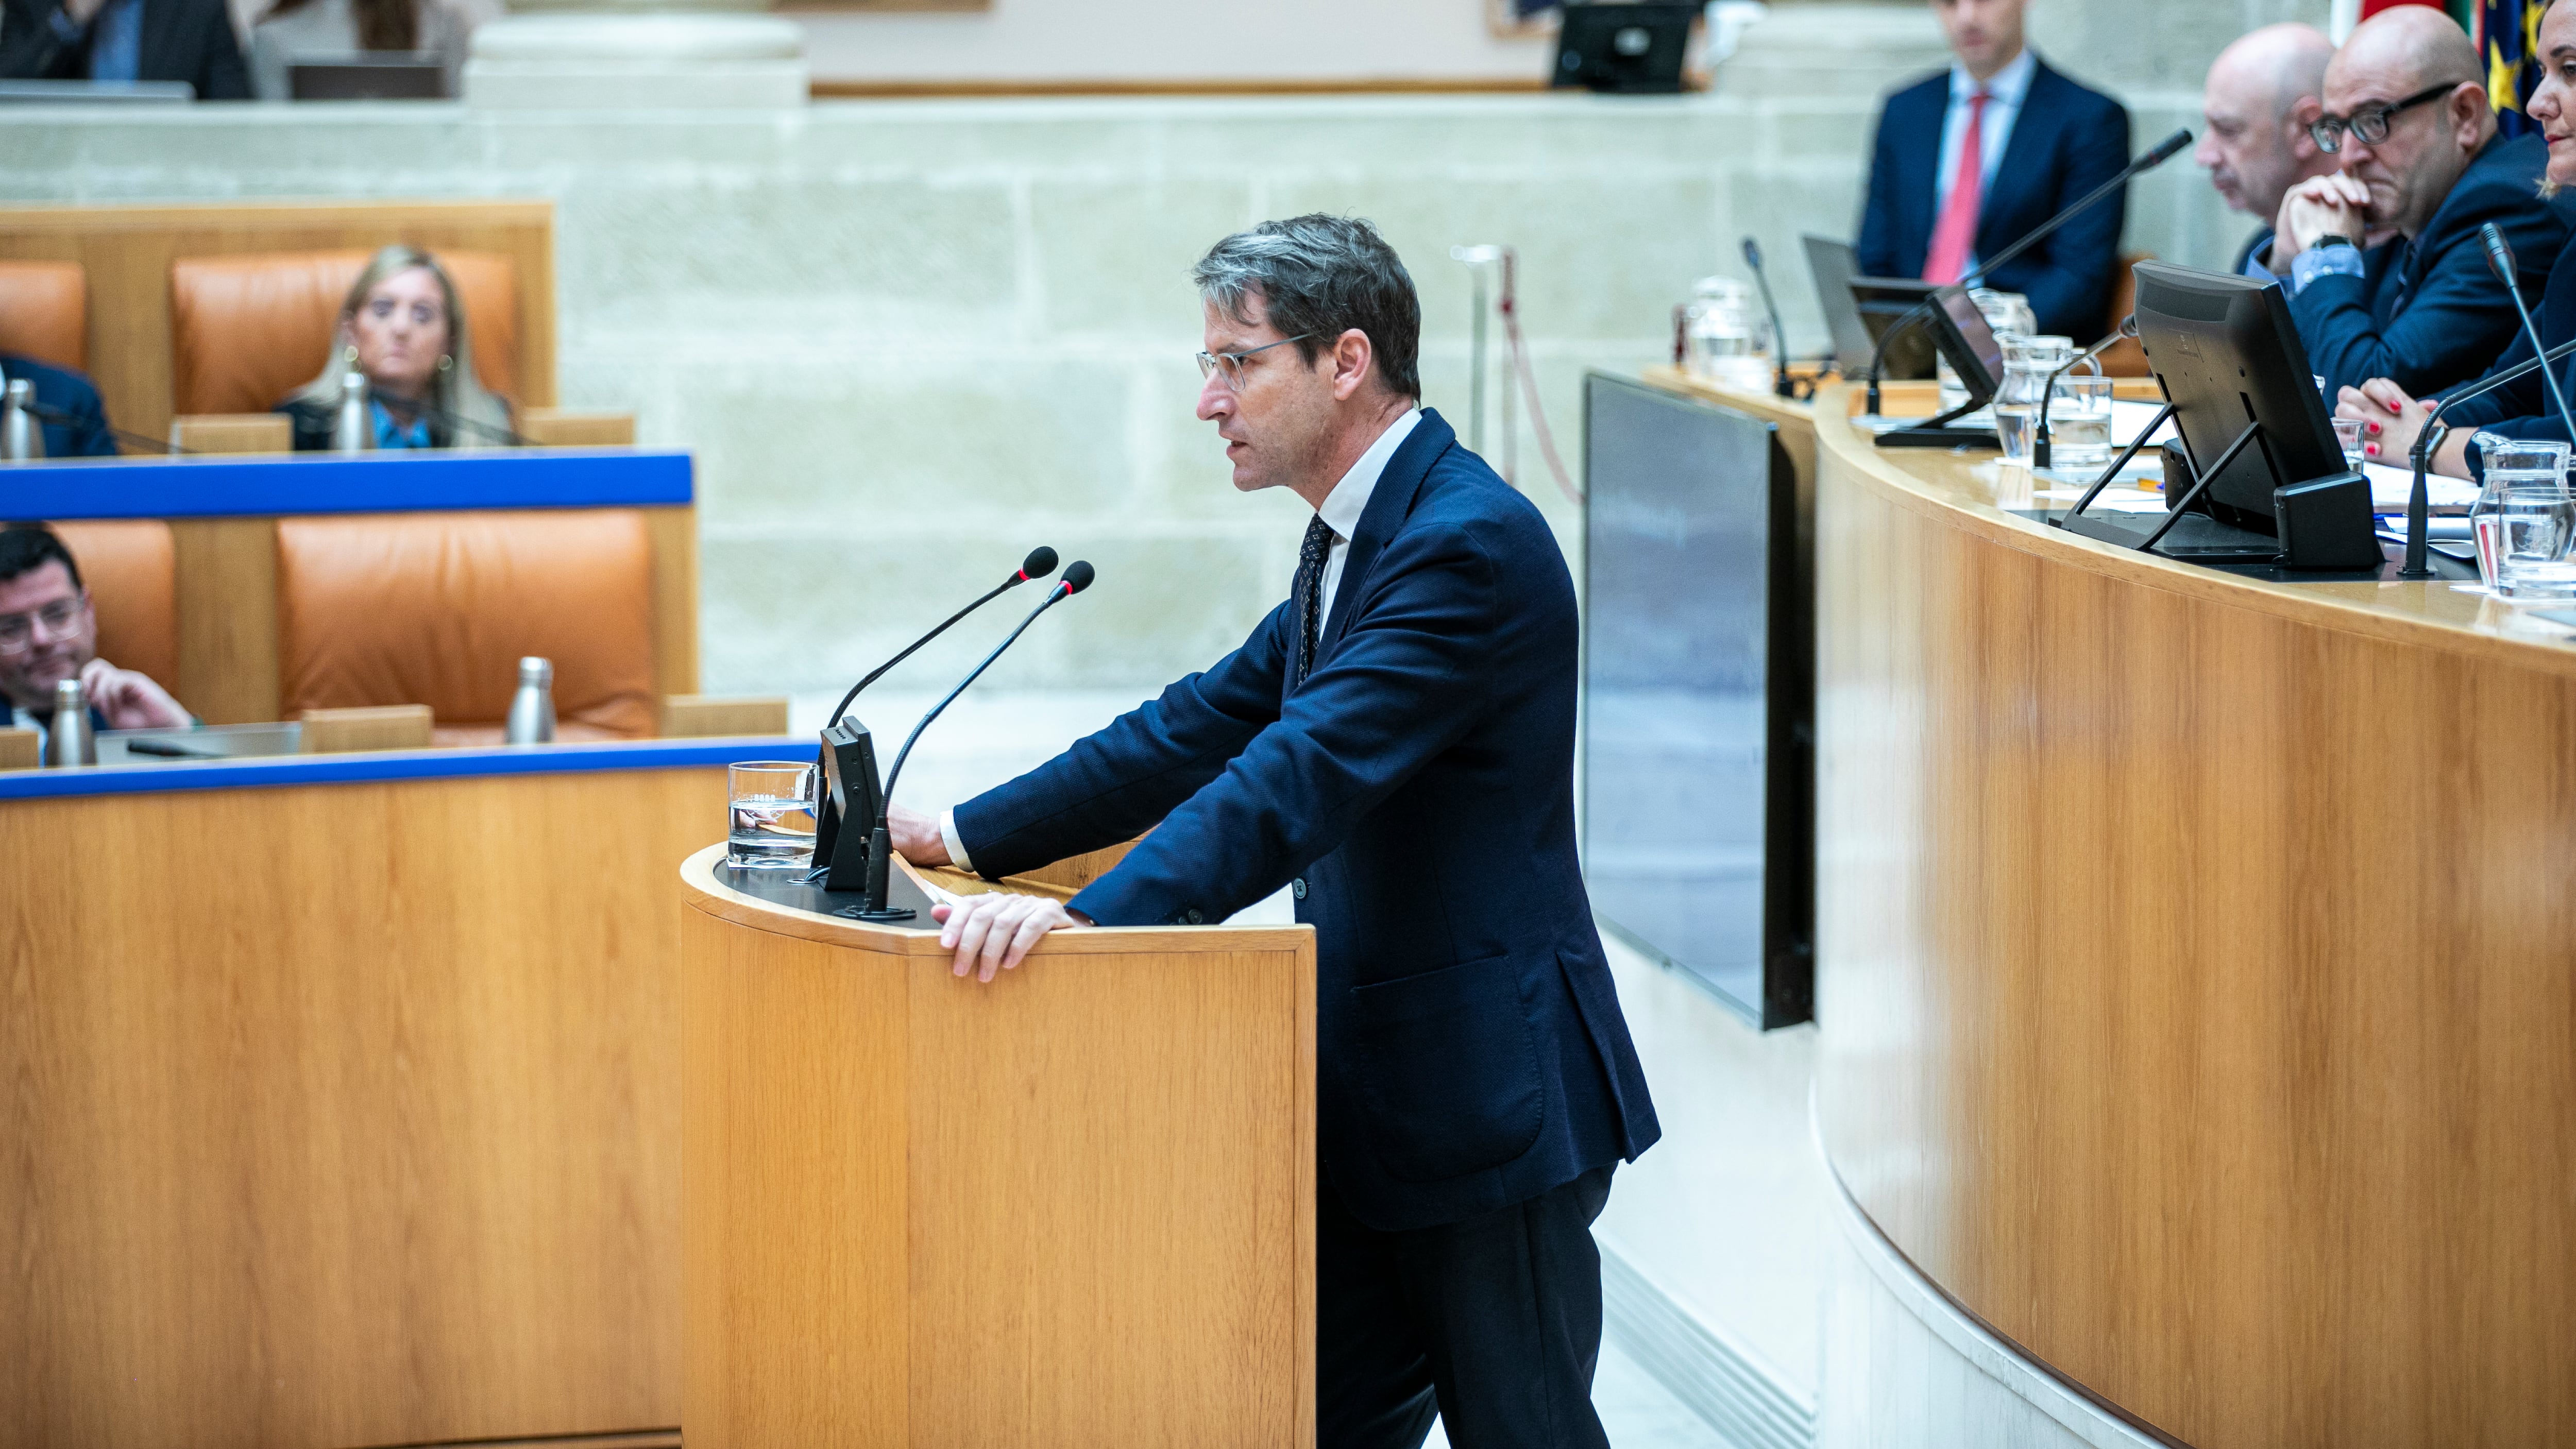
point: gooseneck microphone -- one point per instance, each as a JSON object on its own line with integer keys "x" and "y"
{"x": 61, "y": 419}
{"x": 2500, "y": 257}
{"x": 1780, "y": 385}
{"x": 2164, "y": 151}
{"x": 845, "y": 782}
{"x": 1077, "y": 577}
{"x": 2430, "y": 438}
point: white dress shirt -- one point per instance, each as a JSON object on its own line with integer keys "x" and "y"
{"x": 1341, "y": 513}
{"x": 2004, "y": 96}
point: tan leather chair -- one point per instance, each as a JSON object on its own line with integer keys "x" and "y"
{"x": 132, "y": 576}
{"x": 44, "y": 313}
{"x": 438, "y": 608}
{"x": 247, "y": 330}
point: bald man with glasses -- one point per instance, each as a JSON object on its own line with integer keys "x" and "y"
{"x": 2382, "y": 259}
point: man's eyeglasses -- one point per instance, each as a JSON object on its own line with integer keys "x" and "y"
{"x": 1231, "y": 363}
{"x": 18, "y": 631}
{"x": 2370, "y": 123}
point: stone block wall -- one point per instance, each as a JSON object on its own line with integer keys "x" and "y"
{"x": 908, "y": 339}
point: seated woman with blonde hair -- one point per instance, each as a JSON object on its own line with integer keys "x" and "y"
{"x": 404, "y": 330}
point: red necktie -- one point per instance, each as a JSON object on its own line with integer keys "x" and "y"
{"x": 1955, "y": 239}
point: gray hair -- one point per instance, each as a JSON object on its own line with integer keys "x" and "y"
{"x": 1319, "y": 277}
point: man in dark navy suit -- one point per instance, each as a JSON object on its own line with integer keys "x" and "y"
{"x": 68, "y": 408}
{"x": 2387, "y": 275}
{"x": 1937, "y": 202}
{"x": 1395, "y": 744}
{"x": 2262, "y": 94}
{"x": 125, "y": 40}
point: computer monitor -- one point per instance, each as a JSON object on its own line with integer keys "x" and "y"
{"x": 1959, "y": 330}
{"x": 1833, "y": 264}
{"x": 1882, "y": 303}
{"x": 2229, "y": 360}
{"x": 403, "y": 76}
{"x": 1629, "y": 47}
{"x": 2228, "y": 355}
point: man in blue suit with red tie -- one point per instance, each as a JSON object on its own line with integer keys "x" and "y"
{"x": 1394, "y": 744}
{"x": 1969, "y": 161}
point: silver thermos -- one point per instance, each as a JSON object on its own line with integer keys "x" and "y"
{"x": 68, "y": 741}
{"x": 532, "y": 709}
{"x": 22, "y": 438}
{"x": 353, "y": 430}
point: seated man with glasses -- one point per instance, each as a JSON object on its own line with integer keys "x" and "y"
{"x": 48, "y": 634}
{"x": 2387, "y": 275}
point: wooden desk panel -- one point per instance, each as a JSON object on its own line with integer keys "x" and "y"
{"x": 2196, "y": 967}
{"x": 344, "y": 1114}
{"x": 1072, "y": 1207}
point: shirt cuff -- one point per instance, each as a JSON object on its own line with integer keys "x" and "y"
{"x": 956, "y": 847}
{"x": 2315, "y": 262}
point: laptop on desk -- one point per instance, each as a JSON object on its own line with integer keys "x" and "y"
{"x": 1859, "y": 308}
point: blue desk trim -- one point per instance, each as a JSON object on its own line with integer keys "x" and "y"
{"x": 310, "y": 483}
{"x": 297, "y": 770}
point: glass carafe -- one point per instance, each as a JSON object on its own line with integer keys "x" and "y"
{"x": 2029, "y": 362}
{"x": 2509, "y": 463}
{"x": 2007, "y": 314}
{"x": 1723, "y": 341}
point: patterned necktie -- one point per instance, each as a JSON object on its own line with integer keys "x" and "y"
{"x": 1954, "y": 240}
{"x": 1309, "y": 591}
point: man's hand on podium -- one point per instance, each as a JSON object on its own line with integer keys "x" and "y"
{"x": 994, "y": 931}
{"x": 916, "y": 837}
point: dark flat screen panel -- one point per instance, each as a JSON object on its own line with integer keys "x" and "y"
{"x": 1684, "y": 740}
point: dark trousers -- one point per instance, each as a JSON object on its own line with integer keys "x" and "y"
{"x": 1492, "y": 1324}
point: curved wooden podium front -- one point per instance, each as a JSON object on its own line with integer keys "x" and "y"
{"x": 1074, "y": 1206}
{"x": 2197, "y": 972}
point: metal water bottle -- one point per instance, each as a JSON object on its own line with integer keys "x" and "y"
{"x": 69, "y": 740}
{"x": 353, "y": 430}
{"x": 532, "y": 709}
{"x": 22, "y": 438}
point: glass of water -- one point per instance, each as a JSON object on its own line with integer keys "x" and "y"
{"x": 2535, "y": 523}
{"x": 2079, "y": 422}
{"x": 2506, "y": 464}
{"x": 2028, "y": 363}
{"x": 772, "y": 804}
{"x": 2348, "y": 438}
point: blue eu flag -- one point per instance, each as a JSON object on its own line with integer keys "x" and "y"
{"x": 2509, "y": 37}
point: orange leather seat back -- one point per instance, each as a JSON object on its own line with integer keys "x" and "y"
{"x": 438, "y": 608}
{"x": 247, "y": 330}
{"x": 132, "y": 574}
{"x": 44, "y": 312}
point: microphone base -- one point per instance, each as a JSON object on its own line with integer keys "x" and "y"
{"x": 882, "y": 916}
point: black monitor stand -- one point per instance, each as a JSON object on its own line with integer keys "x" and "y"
{"x": 2322, "y": 523}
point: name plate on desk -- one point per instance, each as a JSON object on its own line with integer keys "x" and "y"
{"x": 204, "y": 486}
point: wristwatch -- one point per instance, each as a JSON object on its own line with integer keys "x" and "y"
{"x": 2336, "y": 239}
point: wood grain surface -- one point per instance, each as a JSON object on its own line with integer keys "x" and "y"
{"x": 2195, "y": 965}
{"x": 1074, "y": 1207}
{"x": 344, "y": 1115}
{"x": 127, "y": 251}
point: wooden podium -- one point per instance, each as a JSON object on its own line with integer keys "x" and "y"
{"x": 1072, "y": 1207}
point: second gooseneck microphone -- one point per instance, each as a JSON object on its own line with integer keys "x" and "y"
{"x": 2500, "y": 257}
{"x": 1077, "y": 577}
{"x": 845, "y": 782}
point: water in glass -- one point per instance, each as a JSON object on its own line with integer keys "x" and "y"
{"x": 2534, "y": 523}
{"x": 772, "y": 810}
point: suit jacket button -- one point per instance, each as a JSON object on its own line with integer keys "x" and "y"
{"x": 1297, "y": 887}
{"x": 1193, "y": 917}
